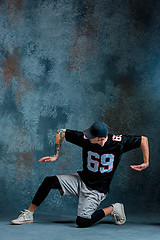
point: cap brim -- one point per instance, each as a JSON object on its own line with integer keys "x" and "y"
{"x": 88, "y": 134}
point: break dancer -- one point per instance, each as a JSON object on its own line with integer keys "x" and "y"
{"x": 101, "y": 155}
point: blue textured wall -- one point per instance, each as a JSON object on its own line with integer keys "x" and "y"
{"x": 66, "y": 64}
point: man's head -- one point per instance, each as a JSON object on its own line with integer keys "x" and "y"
{"x": 97, "y": 133}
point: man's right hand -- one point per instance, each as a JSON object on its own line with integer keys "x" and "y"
{"x": 48, "y": 159}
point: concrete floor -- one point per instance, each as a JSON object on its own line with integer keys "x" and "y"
{"x": 57, "y": 228}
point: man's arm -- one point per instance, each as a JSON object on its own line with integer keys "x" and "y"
{"x": 145, "y": 151}
{"x": 59, "y": 138}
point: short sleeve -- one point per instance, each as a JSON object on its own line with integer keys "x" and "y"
{"x": 130, "y": 142}
{"x": 74, "y": 137}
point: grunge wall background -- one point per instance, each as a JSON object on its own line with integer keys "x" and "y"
{"x": 66, "y": 64}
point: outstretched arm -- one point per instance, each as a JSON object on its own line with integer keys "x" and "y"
{"x": 59, "y": 138}
{"x": 145, "y": 151}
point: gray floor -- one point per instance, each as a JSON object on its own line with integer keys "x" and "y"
{"x": 64, "y": 227}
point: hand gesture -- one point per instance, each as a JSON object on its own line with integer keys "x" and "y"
{"x": 48, "y": 159}
{"x": 139, "y": 167}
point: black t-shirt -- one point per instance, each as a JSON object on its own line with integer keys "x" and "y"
{"x": 100, "y": 163}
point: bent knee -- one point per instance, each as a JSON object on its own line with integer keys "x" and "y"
{"x": 83, "y": 222}
{"x": 52, "y": 182}
{"x": 47, "y": 180}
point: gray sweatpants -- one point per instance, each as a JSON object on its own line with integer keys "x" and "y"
{"x": 89, "y": 199}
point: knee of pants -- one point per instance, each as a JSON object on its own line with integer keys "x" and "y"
{"x": 51, "y": 182}
{"x": 83, "y": 222}
{"x": 46, "y": 180}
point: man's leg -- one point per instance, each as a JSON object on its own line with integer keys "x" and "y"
{"x": 116, "y": 210}
{"x": 95, "y": 217}
{"x": 32, "y": 208}
{"x": 48, "y": 184}
{"x": 89, "y": 200}
{"x": 107, "y": 211}
{"x": 43, "y": 191}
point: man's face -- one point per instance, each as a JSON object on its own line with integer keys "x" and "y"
{"x": 98, "y": 140}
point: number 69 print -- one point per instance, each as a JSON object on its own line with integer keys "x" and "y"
{"x": 93, "y": 164}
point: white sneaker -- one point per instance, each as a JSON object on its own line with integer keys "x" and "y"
{"x": 118, "y": 213}
{"x": 24, "y": 217}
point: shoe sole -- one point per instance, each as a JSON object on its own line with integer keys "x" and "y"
{"x": 118, "y": 222}
{"x": 20, "y": 223}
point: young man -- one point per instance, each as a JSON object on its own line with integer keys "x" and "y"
{"x": 101, "y": 156}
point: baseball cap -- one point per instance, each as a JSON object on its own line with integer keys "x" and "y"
{"x": 98, "y": 129}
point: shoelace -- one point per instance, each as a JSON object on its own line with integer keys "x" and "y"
{"x": 22, "y": 214}
{"x": 117, "y": 217}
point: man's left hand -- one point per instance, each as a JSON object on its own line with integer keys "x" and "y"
{"x": 140, "y": 167}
